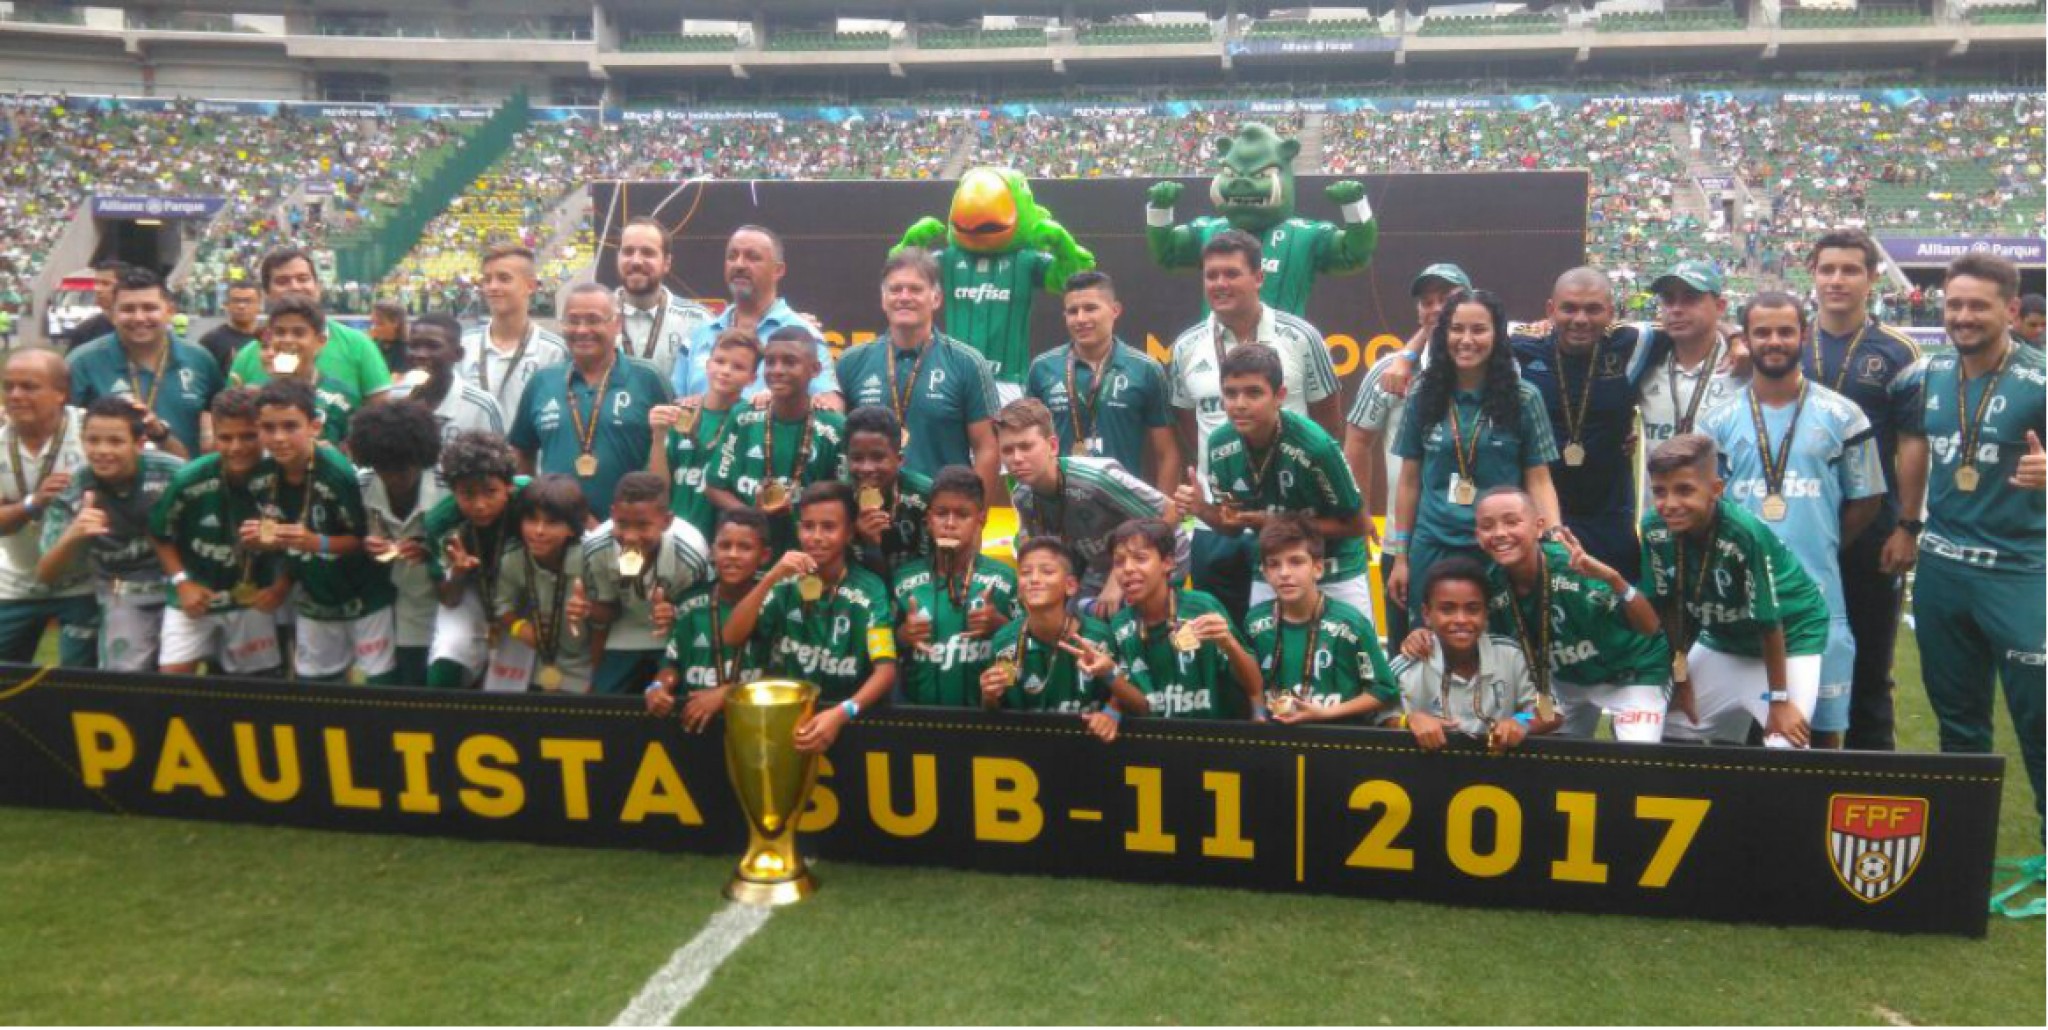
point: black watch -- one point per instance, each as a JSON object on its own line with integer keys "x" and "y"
{"x": 1912, "y": 526}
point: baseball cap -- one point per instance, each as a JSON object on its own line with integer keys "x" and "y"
{"x": 1700, "y": 275}
{"x": 1444, "y": 271}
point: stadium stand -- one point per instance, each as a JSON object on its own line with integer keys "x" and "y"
{"x": 1859, "y": 17}
{"x": 2008, "y": 14}
{"x": 1313, "y": 28}
{"x": 810, "y": 39}
{"x": 680, "y": 42}
{"x": 940, "y": 38}
{"x": 1521, "y": 24}
{"x": 1144, "y": 34}
{"x": 1720, "y": 17}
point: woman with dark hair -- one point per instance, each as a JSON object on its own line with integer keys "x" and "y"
{"x": 1472, "y": 424}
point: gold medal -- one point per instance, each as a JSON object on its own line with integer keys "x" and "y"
{"x": 946, "y": 543}
{"x": 1574, "y": 454}
{"x": 586, "y": 465}
{"x": 414, "y": 379}
{"x": 870, "y": 498}
{"x": 389, "y": 554}
{"x": 244, "y": 594}
{"x": 1005, "y": 668}
{"x": 810, "y": 588}
{"x": 1546, "y": 709}
{"x": 1186, "y": 640}
{"x": 774, "y": 494}
{"x": 630, "y": 563}
{"x": 1281, "y": 702}
{"x": 1680, "y": 671}
{"x": 1774, "y": 508}
{"x": 1966, "y": 479}
{"x": 686, "y": 419}
{"x": 549, "y": 677}
{"x": 266, "y": 531}
{"x": 1464, "y": 492}
{"x": 284, "y": 364}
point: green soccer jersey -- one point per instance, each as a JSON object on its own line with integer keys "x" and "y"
{"x": 1118, "y": 409}
{"x": 526, "y": 589}
{"x": 338, "y": 403}
{"x": 1591, "y": 643}
{"x": 988, "y": 304}
{"x": 1347, "y": 660}
{"x": 189, "y": 379}
{"x": 1197, "y": 685}
{"x": 1742, "y": 585}
{"x": 1048, "y": 678}
{"x": 1996, "y": 525}
{"x": 445, "y": 521}
{"x": 695, "y": 652}
{"x": 909, "y": 536}
{"x": 835, "y": 641}
{"x": 1496, "y": 456}
{"x": 937, "y": 391}
{"x": 329, "y": 502}
{"x": 124, "y": 553}
{"x": 1303, "y": 470}
{"x": 948, "y": 672}
{"x": 201, "y": 513}
{"x": 744, "y": 464}
{"x": 690, "y": 457}
{"x": 1293, "y": 251}
{"x": 350, "y": 356}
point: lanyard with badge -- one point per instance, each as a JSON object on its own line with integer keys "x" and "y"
{"x": 1464, "y": 490}
{"x": 1774, "y": 506}
{"x": 1086, "y": 440}
{"x": 586, "y": 436}
{"x": 899, "y": 392}
{"x": 1685, "y": 414}
{"x": 1967, "y": 476}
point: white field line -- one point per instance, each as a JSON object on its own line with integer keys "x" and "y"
{"x": 676, "y": 983}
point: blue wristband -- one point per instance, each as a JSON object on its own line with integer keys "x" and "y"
{"x": 1114, "y": 715}
{"x": 1525, "y": 718}
{"x": 850, "y": 707}
{"x": 323, "y": 543}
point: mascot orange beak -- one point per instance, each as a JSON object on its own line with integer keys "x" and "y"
{"x": 984, "y": 215}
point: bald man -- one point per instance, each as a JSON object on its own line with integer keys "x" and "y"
{"x": 41, "y": 447}
{"x": 1590, "y": 372}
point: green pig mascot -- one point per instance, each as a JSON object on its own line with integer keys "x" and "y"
{"x": 997, "y": 248}
{"x": 1254, "y": 191}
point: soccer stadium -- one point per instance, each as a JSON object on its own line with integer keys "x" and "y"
{"x": 404, "y": 619}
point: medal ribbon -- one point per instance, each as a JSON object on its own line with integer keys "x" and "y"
{"x": 1536, "y": 645}
{"x": 1774, "y": 466}
{"x": 585, "y": 435}
{"x": 156, "y": 385}
{"x": 1082, "y": 434}
{"x": 803, "y": 447}
{"x": 1699, "y": 393}
{"x": 547, "y": 634}
{"x": 52, "y": 449}
{"x": 1575, "y": 414}
{"x": 1314, "y": 631}
{"x": 899, "y": 392}
{"x": 653, "y": 331}
{"x": 1681, "y": 641}
{"x": 726, "y": 674}
{"x": 1466, "y": 461}
{"x": 1259, "y": 468}
{"x": 1848, "y": 356}
{"x": 1024, "y": 639}
{"x": 1974, "y": 428}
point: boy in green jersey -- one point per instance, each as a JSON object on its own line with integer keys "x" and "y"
{"x": 953, "y": 602}
{"x": 294, "y": 336}
{"x": 466, "y": 536}
{"x": 226, "y": 597}
{"x": 1266, "y": 459}
{"x": 1594, "y": 641}
{"x": 1750, "y": 624}
{"x": 688, "y": 435}
{"x": 698, "y": 661}
{"x": 772, "y": 453}
{"x": 1320, "y": 658}
{"x": 1179, "y": 648}
{"x": 311, "y": 511}
{"x": 101, "y": 523}
{"x": 894, "y": 528}
{"x": 1474, "y": 682}
{"x": 397, "y": 446}
{"x": 828, "y": 617}
{"x": 1050, "y": 660}
{"x": 540, "y": 608}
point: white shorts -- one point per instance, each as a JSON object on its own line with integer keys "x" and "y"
{"x": 327, "y": 649}
{"x": 1728, "y": 690}
{"x": 459, "y": 635}
{"x": 238, "y": 641}
{"x": 1355, "y": 592}
{"x": 1638, "y": 710}
{"x": 130, "y": 625}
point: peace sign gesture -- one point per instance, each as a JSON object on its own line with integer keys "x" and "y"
{"x": 1089, "y": 657}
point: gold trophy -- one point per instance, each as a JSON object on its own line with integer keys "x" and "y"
{"x": 773, "y": 782}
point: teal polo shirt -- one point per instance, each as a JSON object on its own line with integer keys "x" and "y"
{"x": 621, "y": 441}
{"x": 191, "y": 378}
{"x": 953, "y": 390}
{"x": 1122, "y": 411}
{"x": 1503, "y": 455}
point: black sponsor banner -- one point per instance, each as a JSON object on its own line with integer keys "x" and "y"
{"x": 1877, "y": 841}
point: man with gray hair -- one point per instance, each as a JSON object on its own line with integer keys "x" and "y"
{"x": 754, "y": 269}
{"x": 42, "y": 445}
{"x": 587, "y": 417}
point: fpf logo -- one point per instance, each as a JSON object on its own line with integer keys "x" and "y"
{"x": 1875, "y": 843}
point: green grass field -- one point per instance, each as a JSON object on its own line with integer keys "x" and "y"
{"x": 111, "y": 920}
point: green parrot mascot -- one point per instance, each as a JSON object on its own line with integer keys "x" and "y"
{"x": 996, "y": 249}
{"x": 1254, "y": 191}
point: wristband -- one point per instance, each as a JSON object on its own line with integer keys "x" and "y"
{"x": 1395, "y": 548}
{"x": 1408, "y": 355}
{"x": 1630, "y": 595}
{"x": 850, "y": 707}
{"x": 1158, "y": 217}
{"x": 323, "y": 543}
{"x": 180, "y": 578}
{"x": 1115, "y": 717}
{"x": 28, "y": 507}
{"x": 1525, "y": 718}
{"x": 1357, "y": 213}
{"x": 652, "y": 686}
{"x": 1775, "y": 696}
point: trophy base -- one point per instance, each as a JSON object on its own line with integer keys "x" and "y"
{"x": 770, "y": 895}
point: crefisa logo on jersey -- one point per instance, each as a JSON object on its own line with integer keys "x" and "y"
{"x": 1876, "y": 842}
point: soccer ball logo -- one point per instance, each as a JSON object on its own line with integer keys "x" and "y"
{"x": 1875, "y": 843}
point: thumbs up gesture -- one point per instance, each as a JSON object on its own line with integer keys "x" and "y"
{"x": 91, "y": 521}
{"x": 2032, "y": 473}
{"x": 1187, "y": 497}
{"x": 577, "y": 609}
{"x": 983, "y": 619}
{"x": 917, "y": 628}
{"x": 664, "y": 612}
